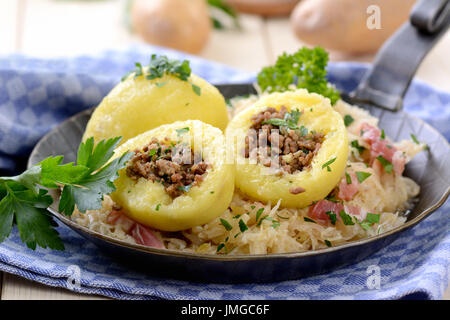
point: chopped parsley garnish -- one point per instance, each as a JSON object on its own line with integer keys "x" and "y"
{"x": 348, "y": 178}
{"x": 236, "y": 216}
{"x": 383, "y": 136}
{"x": 242, "y": 226}
{"x": 308, "y": 220}
{"x": 332, "y": 216}
{"x": 158, "y": 206}
{"x": 161, "y": 65}
{"x": 258, "y": 213}
{"x": 275, "y": 223}
{"x": 414, "y": 139}
{"x": 355, "y": 144}
{"x": 211, "y": 192}
{"x": 161, "y": 84}
{"x": 327, "y": 164}
{"x": 220, "y": 247}
{"x": 361, "y": 175}
{"x": 328, "y": 243}
{"x": 348, "y": 119}
{"x": 290, "y": 121}
{"x": 23, "y": 199}
{"x": 182, "y": 131}
{"x": 152, "y": 152}
{"x": 346, "y": 219}
{"x": 306, "y": 69}
{"x": 387, "y": 165}
{"x": 185, "y": 188}
{"x": 226, "y": 224}
{"x": 369, "y": 221}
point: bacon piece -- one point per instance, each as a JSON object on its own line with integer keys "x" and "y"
{"x": 399, "y": 161}
{"x": 145, "y": 236}
{"x": 141, "y": 234}
{"x": 348, "y": 191}
{"x": 318, "y": 211}
{"x": 382, "y": 147}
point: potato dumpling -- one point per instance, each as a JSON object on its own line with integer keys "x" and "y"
{"x": 137, "y": 105}
{"x": 157, "y": 203}
{"x": 300, "y": 187}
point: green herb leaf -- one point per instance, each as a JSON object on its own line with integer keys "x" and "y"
{"x": 220, "y": 247}
{"x": 382, "y": 136}
{"x": 333, "y": 217}
{"x": 309, "y": 220}
{"x": 242, "y": 226}
{"x": 346, "y": 219}
{"x": 35, "y": 224}
{"x": 348, "y": 119}
{"x": 162, "y": 65}
{"x": 348, "y": 178}
{"x": 185, "y": 188}
{"x": 196, "y": 89}
{"x": 258, "y": 213}
{"x": 182, "y": 131}
{"x": 306, "y": 69}
{"x": 327, "y": 164}
{"x": 387, "y": 165}
{"x": 355, "y": 144}
{"x": 23, "y": 201}
{"x": 328, "y": 243}
{"x": 158, "y": 206}
{"x": 226, "y": 224}
{"x": 414, "y": 139}
{"x": 373, "y": 217}
{"x": 361, "y": 175}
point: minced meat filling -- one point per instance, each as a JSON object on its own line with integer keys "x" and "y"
{"x": 169, "y": 164}
{"x": 295, "y": 147}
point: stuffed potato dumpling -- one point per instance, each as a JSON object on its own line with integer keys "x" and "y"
{"x": 177, "y": 178}
{"x": 290, "y": 146}
{"x": 138, "y": 104}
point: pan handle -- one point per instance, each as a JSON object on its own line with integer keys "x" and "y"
{"x": 397, "y": 61}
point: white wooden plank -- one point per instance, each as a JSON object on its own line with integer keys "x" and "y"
{"x": 15, "y": 288}
{"x": 244, "y": 49}
{"x": 65, "y": 28}
{"x": 9, "y": 25}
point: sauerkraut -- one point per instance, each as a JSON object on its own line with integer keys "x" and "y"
{"x": 252, "y": 227}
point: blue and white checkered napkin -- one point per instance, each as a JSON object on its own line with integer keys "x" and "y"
{"x": 35, "y": 95}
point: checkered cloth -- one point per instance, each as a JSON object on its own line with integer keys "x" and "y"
{"x": 36, "y": 95}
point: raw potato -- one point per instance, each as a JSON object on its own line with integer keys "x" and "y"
{"x": 264, "y": 7}
{"x": 179, "y": 24}
{"x": 200, "y": 204}
{"x": 262, "y": 183}
{"x": 137, "y": 105}
{"x": 341, "y": 25}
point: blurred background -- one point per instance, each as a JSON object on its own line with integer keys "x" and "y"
{"x": 245, "y": 34}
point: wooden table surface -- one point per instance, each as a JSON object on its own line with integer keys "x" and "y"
{"x": 48, "y": 28}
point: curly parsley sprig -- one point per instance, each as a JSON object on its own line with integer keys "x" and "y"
{"x": 305, "y": 69}
{"x": 24, "y": 198}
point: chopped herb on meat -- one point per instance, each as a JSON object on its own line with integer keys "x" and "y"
{"x": 277, "y": 134}
{"x": 172, "y": 165}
